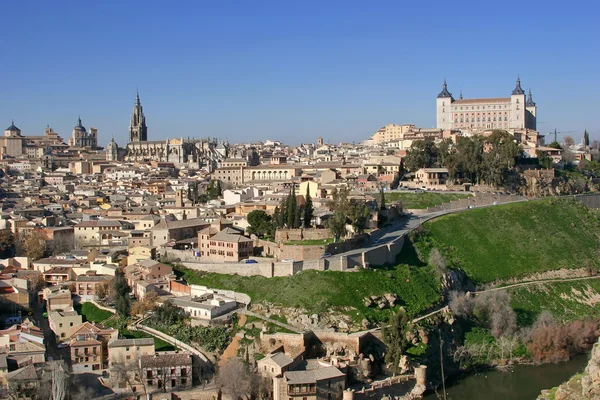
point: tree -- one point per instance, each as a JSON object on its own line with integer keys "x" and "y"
{"x": 235, "y": 379}
{"x": 555, "y": 145}
{"x": 59, "y": 378}
{"x": 586, "y": 138}
{"x": 291, "y": 209}
{"x": 260, "y": 223}
{"x": 103, "y": 290}
{"x": 35, "y": 245}
{"x": 148, "y": 303}
{"x": 121, "y": 292}
{"x": 381, "y": 199}
{"x": 128, "y": 372}
{"x": 568, "y": 141}
{"x": 422, "y": 154}
{"x": 308, "y": 208}
{"x": 395, "y": 339}
{"x": 494, "y": 310}
{"x": 544, "y": 160}
{"x": 339, "y": 205}
{"x": 7, "y": 244}
{"x": 359, "y": 215}
{"x": 437, "y": 261}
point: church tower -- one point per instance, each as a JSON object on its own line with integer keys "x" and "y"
{"x": 138, "y": 132}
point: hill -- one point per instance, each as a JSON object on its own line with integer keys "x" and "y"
{"x": 513, "y": 240}
{"x": 322, "y": 291}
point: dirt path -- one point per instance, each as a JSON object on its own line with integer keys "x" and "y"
{"x": 538, "y": 282}
{"x": 232, "y": 350}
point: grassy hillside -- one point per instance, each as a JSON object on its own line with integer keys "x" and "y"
{"x": 565, "y": 300}
{"x": 320, "y": 291}
{"x": 515, "y": 239}
{"x": 414, "y": 200}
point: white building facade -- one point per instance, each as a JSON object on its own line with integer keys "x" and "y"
{"x": 515, "y": 112}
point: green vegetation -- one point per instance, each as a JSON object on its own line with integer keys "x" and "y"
{"x": 315, "y": 242}
{"x": 515, "y": 239}
{"x": 414, "y": 200}
{"x": 566, "y": 301}
{"x": 171, "y": 320}
{"x": 159, "y": 344}
{"x": 91, "y": 313}
{"x": 322, "y": 291}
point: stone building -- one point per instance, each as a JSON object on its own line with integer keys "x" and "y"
{"x": 195, "y": 153}
{"x": 112, "y": 151}
{"x": 12, "y": 142}
{"x": 82, "y": 138}
{"x": 167, "y": 371}
{"x": 515, "y": 112}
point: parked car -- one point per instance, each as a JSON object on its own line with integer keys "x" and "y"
{"x": 62, "y": 345}
{"x": 326, "y": 255}
{"x": 287, "y": 260}
{"x": 251, "y": 262}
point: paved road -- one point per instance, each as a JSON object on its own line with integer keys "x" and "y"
{"x": 390, "y": 234}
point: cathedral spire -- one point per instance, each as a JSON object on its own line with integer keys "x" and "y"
{"x": 137, "y": 98}
{"x": 518, "y": 89}
{"x": 138, "y": 132}
{"x": 530, "y": 102}
{"x": 444, "y": 92}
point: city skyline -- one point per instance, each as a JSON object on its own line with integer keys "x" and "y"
{"x": 280, "y": 72}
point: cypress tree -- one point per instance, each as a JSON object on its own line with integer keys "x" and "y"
{"x": 291, "y": 209}
{"x": 308, "y": 209}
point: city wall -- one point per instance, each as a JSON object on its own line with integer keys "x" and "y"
{"x": 285, "y": 235}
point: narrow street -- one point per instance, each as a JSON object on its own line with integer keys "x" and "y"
{"x": 52, "y": 352}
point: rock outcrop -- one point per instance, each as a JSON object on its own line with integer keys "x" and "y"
{"x": 582, "y": 386}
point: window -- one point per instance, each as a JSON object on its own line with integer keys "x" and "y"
{"x": 60, "y": 325}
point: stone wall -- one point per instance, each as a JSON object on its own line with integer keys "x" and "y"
{"x": 285, "y": 235}
{"x": 266, "y": 269}
{"x": 590, "y": 200}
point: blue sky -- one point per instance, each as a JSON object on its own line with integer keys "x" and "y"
{"x": 292, "y": 71}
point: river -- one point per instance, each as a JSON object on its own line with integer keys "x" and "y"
{"x": 524, "y": 382}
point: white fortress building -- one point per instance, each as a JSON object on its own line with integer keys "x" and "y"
{"x": 515, "y": 112}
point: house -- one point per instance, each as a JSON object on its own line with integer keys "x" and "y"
{"x": 86, "y": 285}
{"x": 23, "y": 343}
{"x": 315, "y": 381}
{"x": 45, "y": 264}
{"x": 57, "y": 298}
{"x": 167, "y": 371}
{"x": 149, "y": 275}
{"x": 89, "y": 347}
{"x": 220, "y": 242}
{"x": 59, "y": 275}
{"x": 140, "y": 253}
{"x": 61, "y": 323}
{"x": 275, "y": 364}
{"x": 171, "y": 231}
{"x": 205, "y": 307}
{"x": 129, "y": 351}
{"x": 94, "y": 232}
{"x": 431, "y": 177}
{"x": 24, "y": 381}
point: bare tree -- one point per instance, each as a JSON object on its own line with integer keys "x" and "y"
{"x": 59, "y": 375}
{"x": 82, "y": 393}
{"x": 438, "y": 262}
{"x": 235, "y": 379}
{"x": 460, "y": 304}
{"x": 129, "y": 373}
{"x": 494, "y": 310}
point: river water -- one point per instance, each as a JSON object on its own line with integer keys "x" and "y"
{"x": 524, "y": 382}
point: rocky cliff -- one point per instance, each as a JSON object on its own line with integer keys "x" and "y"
{"x": 582, "y": 386}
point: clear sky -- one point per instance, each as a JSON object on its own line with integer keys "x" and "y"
{"x": 293, "y": 71}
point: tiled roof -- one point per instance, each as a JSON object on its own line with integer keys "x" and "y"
{"x": 165, "y": 359}
{"x": 482, "y": 101}
{"x": 131, "y": 342}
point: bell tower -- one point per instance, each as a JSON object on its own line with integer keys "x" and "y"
{"x": 138, "y": 132}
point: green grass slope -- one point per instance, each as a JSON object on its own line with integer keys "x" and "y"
{"x": 565, "y": 300}
{"x": 321, "y": 291}
{"x": 414, "y": 200}
{"x": 512, "y": 240}
{"x": 92, "y": 313}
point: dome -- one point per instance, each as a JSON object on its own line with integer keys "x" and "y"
{"x": 79, "y": 127}
{"x": 112, "y": 144}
